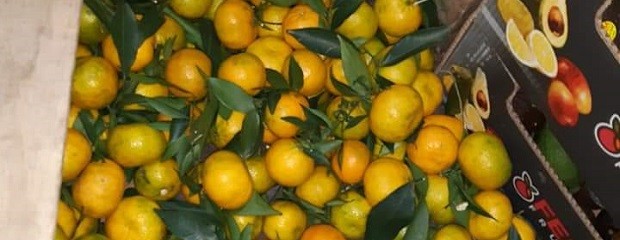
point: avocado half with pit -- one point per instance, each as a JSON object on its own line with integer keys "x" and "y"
{"x": 480, "y": 94}
{"x": 554, "y": 21}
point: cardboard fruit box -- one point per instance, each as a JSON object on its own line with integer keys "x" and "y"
{"x": 566, "y": 93}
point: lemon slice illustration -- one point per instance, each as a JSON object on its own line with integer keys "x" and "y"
{"x": 518, "y": 46}
{"x": 471, "y": 118}
{"x": 545, "y": 55}
{"x": 516, "y": 10}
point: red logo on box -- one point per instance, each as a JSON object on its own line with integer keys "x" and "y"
{"x": 526, "y": 190}
{"x": 607, "y": 135}
{"x": 524, "y": 187}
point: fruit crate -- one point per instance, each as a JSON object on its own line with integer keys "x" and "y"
{"x": 570, "y": 104}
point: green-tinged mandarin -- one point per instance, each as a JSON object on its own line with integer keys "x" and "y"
{"x": 135, "y": 144}
{"x": 484, "y": 160}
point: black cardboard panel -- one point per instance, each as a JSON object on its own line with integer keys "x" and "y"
{"x": 587, "y": 49}
{"x": 535, "y": 191}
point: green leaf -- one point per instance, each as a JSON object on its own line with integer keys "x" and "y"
{"x": 455, "y": 198}
{"x": 383, "y": 82}
{"x": 429, "y": 18}
{"x": 276, "y": 80}
{"x": 86, "y": 122}
{"x": 342, "y": 88}
{"x": 178, "y": 127}
{"x": 389, "y": 146}
{"x": 176, "y": 147}
{"x": 125, "y": 117}
{"x": 391, "y": 214}
{"x": 353, "y": 121}
{"x": 99, "y": 151}
{"x": 355, "y": 69}
{"x": 144, "y": 79}
{"x": 317, "y": 6}
{"x": 190, "y": 179}
{"x": 224, "y": 112}
{"x": 77, "y": 125}
{"x": 272, "y": 101}
{"x": 126, "y": 35}
{"x": 203, "y": 123}
{"x": 192, "y": 34}
{"x": 513, "y": 234}
{"x": 128, "y": 88}
{"x": 233, "y": 229}
{"x": 283, "y": 3}
{"x": 318, "y": 40}
{"x": 295, "y": 121}
{"x": 130, "y": 98}
{"x": 318, "y": 156}
{"x": 313, "y": 113}
{"x": 231, "y": 95}
{"x": 66, "y": 196}
{"x": 472, "y": 205}
{"x": 211, "y": 45}
{"x": 191, "y": 157}
{"x": 327, "y": 146}
{"x": 129, "y": 174}
{"x": 130, "y": 192}
{"x": 418, "y": 228}
{"x": 155, "y": 67}
{"x": 210, "y": 207}
{"x": 414, "y": 43}
{"x": 188, "y": 221}
{"x": 420, "y": 178}
{"x": 168, "y": 48}
{"x": 295, "y": 75}
{"x": 461, "y": 217}
{"x": 101, "y": 10}
{"x": 168, "y": 106}
{"x": 99, "y": 126}
{"x": 257, "y": 206}
{"x": 160, "y": 126}
{"x": 247, "y": 142}
{"x": 343, "y": 9}
{"x": 311, "y": 210}
{"x": 91, "y": 130}
{"x": 246, "y": 234}
{"x": 152, "y": 18}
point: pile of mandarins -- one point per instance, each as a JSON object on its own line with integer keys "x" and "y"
{"x": 279, "y": 119}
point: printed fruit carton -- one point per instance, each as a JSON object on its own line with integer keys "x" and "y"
{"x": 540, "y": 73}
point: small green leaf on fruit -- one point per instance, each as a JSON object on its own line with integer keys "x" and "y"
{"x": 343, "y": 9}
{"x": 231, "y": 95}
{"x": 276, "y": 80}
{"x": 295, "y": 74}
{"x": 318, "y": 40}
{"x": 257, "y": 206}
{"x": 247, "y": 142}
{"x": 391, "y": 214}
{"x": 418, "y": 228}
{"x": 414, "y": 43}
